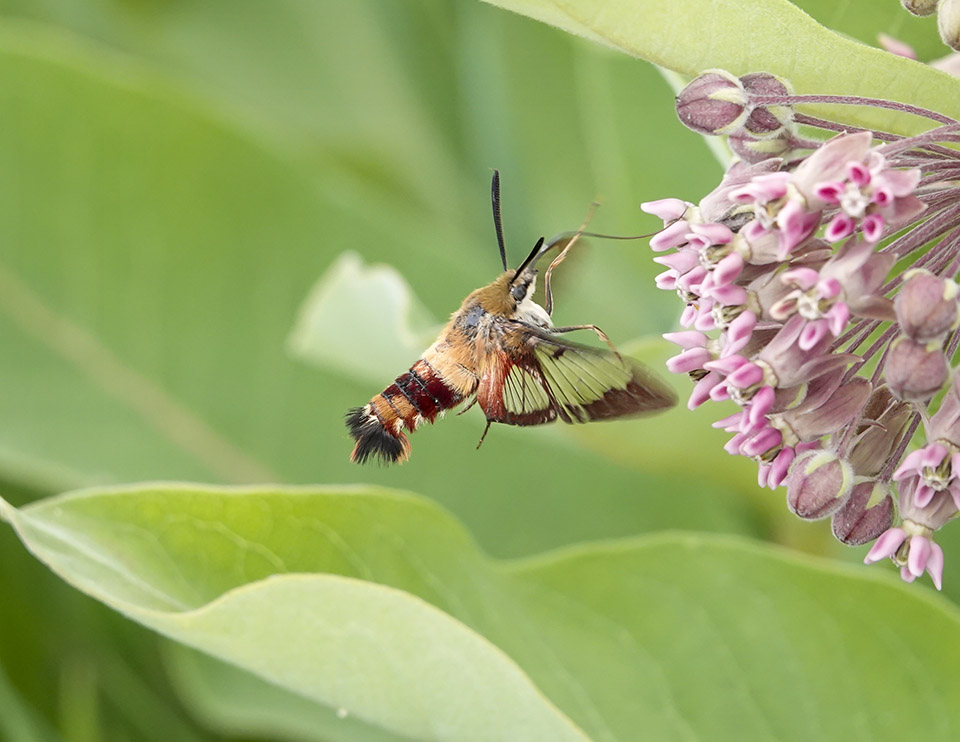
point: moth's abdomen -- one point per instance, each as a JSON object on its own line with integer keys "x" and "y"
{"x": 419, "y": 395}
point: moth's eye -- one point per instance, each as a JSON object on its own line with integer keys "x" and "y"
{"x": 518, "y": 291}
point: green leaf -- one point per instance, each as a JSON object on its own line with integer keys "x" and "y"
{"x": 393, "y": 324}
{"x": 774, "y": 36}
{"x": 379, "y": 604}
{"x": 239, "y": 704}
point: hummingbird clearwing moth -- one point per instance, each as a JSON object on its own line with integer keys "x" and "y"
{"x": 501, "y": 351}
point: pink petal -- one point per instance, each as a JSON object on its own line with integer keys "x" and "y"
{"x": 935, "y": 565}
{"x": 720, "y": 393}
{"x": 872, "y": 228}
{"x": 918, "y": 555}
{"x": 829, "y": 162}
{"x": 761, "y": 404}
{"x": 673, "y": 235}
{"x": 839, "y": 228}
{"x": 763, "y": 472}
{"x": 923, "y": 495}
{"x": 882, "y": 196}
{"x": 795, "y": 227}
{"x": 732, "y": 446}
{"x": 681, "y": 261}
{"x": 905, "y": 209}
{"x": 812, "y": 333}
{"x": 726, "y": 366}
{"x": 716, "y": 234}
{"x": 667, "y": 209}
{"x": 729, "y": 295}
{"x": 901, "y": 182}
{"x": 666, "y": 281}
{"x": 689, "y": 360}
{"x": 746, "y": 376}
{"x": 739, "y": 333}
{"x": 803, "y": 278}
{"x": 762, "y": 188}
{"x": 911, "y": 464}
{"x": 729, "y": 423}
{"x": 697, "y": 242}
{"x": 858, "y": 173}
{"x": 829, "y": 192}
{"x": 906, "y": 575}
{"x": 701, "y": 390}
{"x": 886, "y": 545}
{"x": 762, "y": 442}
{"x": 837, "y": 318}
{"x": 780, "y": 468}
{"x": 705, "y": 320}
{"x": 829, "y": 287}
{"x": 728, "y": 269}
{"x": 933, "y": 454}
{"x": 691, "y": 280}
{"x": 686, "y": 339}
{"x": 784, "y": 308}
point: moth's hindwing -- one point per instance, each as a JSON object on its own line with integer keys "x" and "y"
{"x": 539, "y": 377}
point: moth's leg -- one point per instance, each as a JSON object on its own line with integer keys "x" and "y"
{"x": 600, "y": 333}
{"x": 570, "y": 241}
{"x": 469, "y": 405}
{"x": 480, "y": 442}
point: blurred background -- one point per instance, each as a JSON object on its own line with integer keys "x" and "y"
{"x": 179, "y": 181}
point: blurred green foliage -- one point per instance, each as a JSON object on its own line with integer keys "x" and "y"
{"x": 175, "y": 175}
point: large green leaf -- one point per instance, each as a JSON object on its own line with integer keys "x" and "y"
{"x": 379, "y": 604}
{"x": 775, "y": 36}
{"x": 241, "y": 704}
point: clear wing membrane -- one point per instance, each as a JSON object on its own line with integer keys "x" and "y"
{"x": 554, "y": 378}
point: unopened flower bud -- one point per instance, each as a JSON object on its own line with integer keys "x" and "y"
{"x": 867, "y": 513}
{"x": 927, "y": 307}
{"x": 751, "y": 149}
{"x": 915, "y": 371}
{"x": 713, "y": 103}
{"x": 767, "y": 121}
{"x": 948, "y": 21}
{"x": 819, "y": 484}
{"x": 920, "y": 7}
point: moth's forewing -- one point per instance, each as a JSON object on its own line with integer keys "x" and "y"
{"x": 538, "y": 377}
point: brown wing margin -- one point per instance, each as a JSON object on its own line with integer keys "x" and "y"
{"x": 541, "y": 377}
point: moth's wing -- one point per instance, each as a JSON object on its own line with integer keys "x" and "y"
{"x": 534, "y": 377}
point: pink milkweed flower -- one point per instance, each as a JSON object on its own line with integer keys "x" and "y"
{"x": 786, "y": 270}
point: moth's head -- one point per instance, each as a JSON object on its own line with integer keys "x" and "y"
{"x": 505, "y": 294}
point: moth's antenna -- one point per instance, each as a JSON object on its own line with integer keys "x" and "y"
{"x": 571, "y": 241}
{"x": 497, "y": 221}
{"x": 538, "y": 250}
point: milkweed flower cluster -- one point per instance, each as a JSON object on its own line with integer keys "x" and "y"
{"x": 819, "y": 296}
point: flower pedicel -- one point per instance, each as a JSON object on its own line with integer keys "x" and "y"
{"x": 795, "y": 312}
